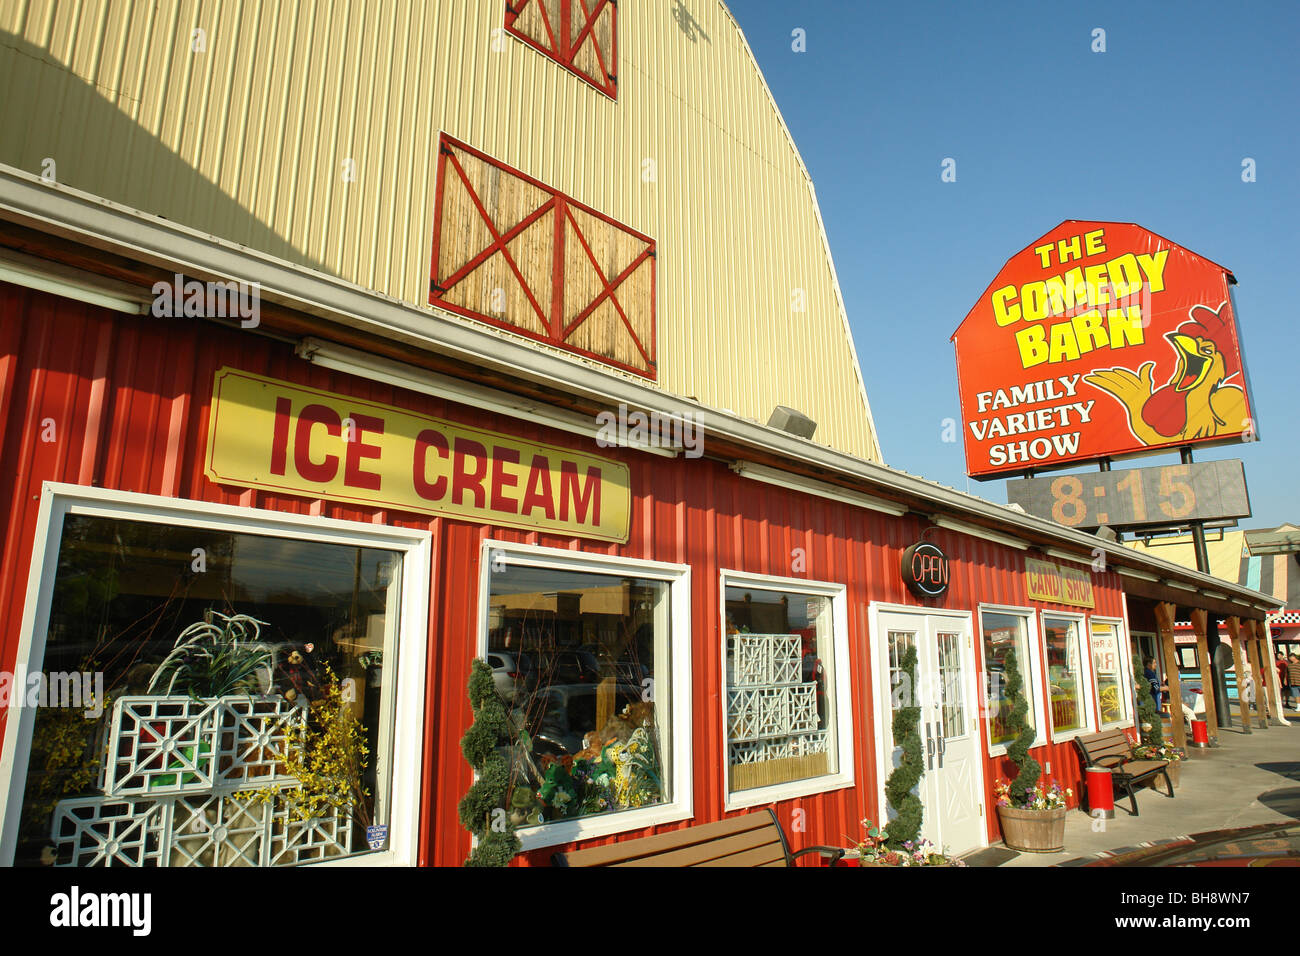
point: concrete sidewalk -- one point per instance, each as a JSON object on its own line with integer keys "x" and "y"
{"x": 1248, "y": 779}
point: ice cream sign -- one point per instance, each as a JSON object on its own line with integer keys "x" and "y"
{"x": 288, "y": 438}
{"x": 1099, "y": 340}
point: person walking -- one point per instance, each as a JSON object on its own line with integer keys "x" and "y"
{"x": 1293, "y": 677}
{"x": 1153, "y": 678}
{"x": 1283, "y": 677}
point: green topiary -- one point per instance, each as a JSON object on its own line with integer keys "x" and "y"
{"x": 1018, "y": 723}
{"x": 483, "y": 810}
{"x": 906, "y": 825}
{"x": 1148, "y": 712}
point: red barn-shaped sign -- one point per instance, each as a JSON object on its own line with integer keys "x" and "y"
{"x": 1100, "y": 340}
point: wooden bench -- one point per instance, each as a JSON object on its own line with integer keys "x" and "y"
{"x": 1112, "y": 749}
{"x": 751, "y": 839}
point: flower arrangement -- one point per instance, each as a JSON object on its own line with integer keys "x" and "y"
{"x": 327, "y": 760}
{"x": 1161, "y": 751}
{"x": 1034, "y": 798}
{"x": 874, "y": 848}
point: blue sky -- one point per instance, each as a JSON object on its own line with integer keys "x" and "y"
{"x": 1153, "y": 131}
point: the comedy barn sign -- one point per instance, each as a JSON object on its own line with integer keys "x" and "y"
{"x": 1101, "y": 339}
{"x": 264, "y": 433}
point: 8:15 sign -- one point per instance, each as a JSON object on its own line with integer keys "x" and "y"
{"x": 1134, "y": 497}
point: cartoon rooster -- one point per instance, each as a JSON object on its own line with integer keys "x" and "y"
{"x": 1195, "y": 402}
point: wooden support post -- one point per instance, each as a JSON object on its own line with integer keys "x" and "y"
{"x": 1165, "y": 621}
{"x": 1250, "y": 636}
{"x": 1266, "y": 680}
{"x": 1234, "y": 632}
{"x": 1199, "y": 625}
{"x": 1266, "y": 639}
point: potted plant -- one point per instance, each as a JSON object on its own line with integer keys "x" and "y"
{"x": 186, "y": 733}
{"x": 875, "y": 850}
{"x": 220, "y": 656}
{"x": 1032, "y": 818}
{"x": 1162, "y": 751}
{"x": 901, "y": 786}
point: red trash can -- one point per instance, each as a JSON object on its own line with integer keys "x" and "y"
{"x": 1200, "y": 733}
{"x": 1101, "y": 793}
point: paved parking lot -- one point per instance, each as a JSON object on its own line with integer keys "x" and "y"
{"x": 1248, "y": 779}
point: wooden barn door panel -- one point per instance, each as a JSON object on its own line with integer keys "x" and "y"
{"x": 538, "y": 21}
{"x": 591, "y": 41}
{"x": 517, "y": 254}
{"x": 580, "y": 35}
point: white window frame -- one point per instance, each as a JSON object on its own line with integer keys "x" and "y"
{"x": 842, "y": 701}
{"x": 1125, "y": 665}
{"x": 678, "y": 579}
{"x": 59, "y": 500}
{"x": 1032, "y": 675}
{"x": 1086, "y": 691}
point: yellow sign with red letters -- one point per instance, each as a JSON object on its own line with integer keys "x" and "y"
{"x": 1046, "y": 581}
{"x": 265, "y": 433}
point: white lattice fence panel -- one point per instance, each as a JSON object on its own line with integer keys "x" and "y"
{"x": 254, "y": 734}
{"x": 110, "y": 831}
{"x": 765, "y": 660}
{"x": 803, "y": 708}
{"x": 750, "y": 660}
{"x": 805, "y": 745}
{"x": 747, "y": 751}
{"x": 743, "y": 714}
{"x": 773, "y": 712}
{"x": 219, "y": 831}
{"x": 309, "y": 841}
{"x": 159, "y": 745}
{"x": 783, "y": 659}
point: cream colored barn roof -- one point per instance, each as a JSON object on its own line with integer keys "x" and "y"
{"x": 307, "y": 130}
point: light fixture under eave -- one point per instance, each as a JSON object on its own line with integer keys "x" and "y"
{"x": 58, "y": 279}
{"x": 811, "y": 486}
{"x": 364, "y": 365}
{"x": 1060, "y": 555}
{"x": 1140, "y": 575}
{"x": 975, "y": 531}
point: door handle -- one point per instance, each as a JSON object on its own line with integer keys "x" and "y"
{"x": 929, "y": 747}
{"x": 943, "y": 748}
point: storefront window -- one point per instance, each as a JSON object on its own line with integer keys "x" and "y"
{"x": 780, "y": 687}
{"x": 1065, "y": 674}
{"x": 1003, "y": 633}
{"x": 210, "y": 697}
{"x": 582, "y": 661}
{"x": 1109, "y": 668}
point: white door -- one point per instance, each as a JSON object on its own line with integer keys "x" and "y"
{"x": 951, "y": 785}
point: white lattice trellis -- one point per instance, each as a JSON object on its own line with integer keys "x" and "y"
{"x": 160, "y": 744}
{"x": 218, "y": 831}
{"x": 805, "y": 745}
{"x": 309, "y": 841}
{"x": 167, "y": 744}
{"x": 193, "y": 830}
{"x": 803, "y": 708}
{"x": 110, "y": 831}
{"x": 254, "y": 734}
{"x": 765, "y": 660}
{"x": 771, "y": 713}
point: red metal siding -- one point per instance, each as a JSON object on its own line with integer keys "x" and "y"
{"x": 129, "y": 398}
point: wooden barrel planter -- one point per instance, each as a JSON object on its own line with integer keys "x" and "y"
{"x": 1033, "y": 831}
